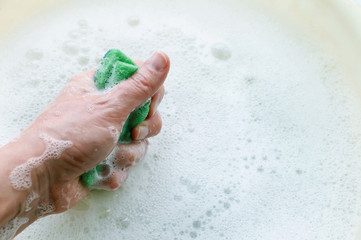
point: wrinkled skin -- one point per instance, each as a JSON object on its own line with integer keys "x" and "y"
{"x": 91, "y": 136}
{"x": 92, "y": 121}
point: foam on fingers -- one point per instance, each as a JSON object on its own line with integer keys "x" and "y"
{"x": 260, "y": 136}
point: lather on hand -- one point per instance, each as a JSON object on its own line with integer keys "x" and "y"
{"x": 78, "y": 130}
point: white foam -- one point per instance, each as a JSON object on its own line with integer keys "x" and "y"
{"x": 44, "y": 209}
{"x": 9, "y": 230}
{"x": 259, "y": 137}
{"x": 20, "y": 177}
{"x": 30, "y": 198}
{"x": 133, "y": 21}
{"x": 114, "y": 132}
{"x": 221, "y": 51}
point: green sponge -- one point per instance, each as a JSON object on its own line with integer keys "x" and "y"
{"x": 114, "y": 68}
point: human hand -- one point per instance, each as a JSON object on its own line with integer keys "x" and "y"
{"x": 78, "y": 130}
{"x": 115, "y": 168}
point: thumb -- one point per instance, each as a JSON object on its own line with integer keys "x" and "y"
{"x": 144, "y": 83}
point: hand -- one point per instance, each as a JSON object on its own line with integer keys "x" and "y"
{"x": 77, "y": 131}
{"x": 127, "y": 155}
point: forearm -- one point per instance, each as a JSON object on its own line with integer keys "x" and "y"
{"x": 19, "y": 207}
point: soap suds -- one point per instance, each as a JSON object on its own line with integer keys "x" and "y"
{"x": 258, "y": 136}
{"x": 31, "y": 197}
{"x": 44, "y": 209}
{"x": 20, "y": 177}
{"x": 114, "y": 132}
{"x": 8, "y": 231}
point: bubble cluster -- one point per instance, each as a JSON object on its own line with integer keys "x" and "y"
{"x": 114, "y": 132}
{"x": 30, "y": 198}
{"x": 44, "y": 209}
{"x": 9, "y": 230}
{"x": 20, "y": 177}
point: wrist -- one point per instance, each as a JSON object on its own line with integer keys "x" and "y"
{"x": 20, "y": 202}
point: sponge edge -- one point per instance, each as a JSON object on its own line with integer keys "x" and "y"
{"x": 115, "y": 65}
{"x": 135, "y": 118}
{"x": 114, "y": 68}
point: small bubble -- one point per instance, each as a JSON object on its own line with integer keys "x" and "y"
{"x": 106, "y": 212}
{"x": 122, "y": 223}
{"x": 221, "y": 51}
{"x": 34, "y": 54}
{"x": 178, "y": 198}
{"x": 209, "y": 213}
{"x": 299, "y": 171}
{"x": 197, "y": 224}
{"x": 249, "y": 80}
{"x": 34, "y": 83}
{"x": 103, "y": 169}
{"x": 227, "y": 191}
{"x": 133, "y": 21}
{"x": 193, "y": 234}
{"x": 226, "y": 205}
{"x": 70, "y": 48}
{"x": 74, "y": 34}
{"x": 82, "y": 23}
{"x": 83, "y": 61}
{"x": 84, "y": 49}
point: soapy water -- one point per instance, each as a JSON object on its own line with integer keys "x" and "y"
{"x": 258, "y": 141}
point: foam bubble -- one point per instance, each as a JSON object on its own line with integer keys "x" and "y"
{"x": 114, "y": 132}
{"x": 44, "y": 209}
{"x": 133, "y": 21}
{"x": 9, "y": 230}
{"x": 34, "y": 54}
{"x": 83, "y": 61}
{"x": 20, "y": 177}
{"x": 71, "y": 48}
{"x": 221, "y": 51}
{"x": 30, "y": 198}
{"x": 243, "y": 85}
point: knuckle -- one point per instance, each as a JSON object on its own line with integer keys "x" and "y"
{"x": 142, "y": 82}
{"x": 162, "y": 91}
{"x": 131, "y": 156}
{"x": 157, "y": 123}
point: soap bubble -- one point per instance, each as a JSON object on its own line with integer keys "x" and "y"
{"x": 221, "y": 119}
{"x": 70, "y": 48}
{"x": 221, "y": 51}
{"x": 133, "y": 21}
{"x": 34, "y": 54}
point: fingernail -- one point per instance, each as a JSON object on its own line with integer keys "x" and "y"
{"x": 142, "y": 132}
{"x": 156, "y": 107}
{"x": 158, "y": 61}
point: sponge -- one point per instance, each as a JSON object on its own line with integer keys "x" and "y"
{"x": 114, "y": 68}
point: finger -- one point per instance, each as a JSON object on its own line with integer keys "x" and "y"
{"x": 148, "y": 128}
{"x": 114, "y": 181}
{"x": 143, "y": 84}
{"x": 156, "y": 100}
{"x": 128, "y": 155}
{"x": 139, "y": 62}
{"x": 117, "y": 178}
{"x": 81, "y": 83}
